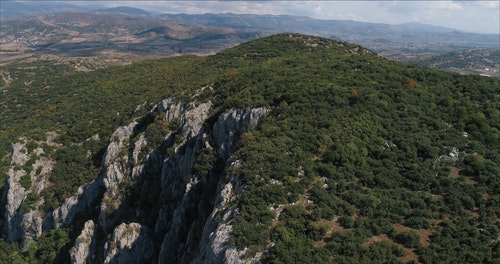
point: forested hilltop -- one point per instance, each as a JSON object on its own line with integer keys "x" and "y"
{"x": 284, "y": 149}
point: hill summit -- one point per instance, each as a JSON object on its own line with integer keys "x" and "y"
{"x": 285, "y": 149}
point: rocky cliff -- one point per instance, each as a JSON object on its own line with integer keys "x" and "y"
{"x": 167, "y": 202}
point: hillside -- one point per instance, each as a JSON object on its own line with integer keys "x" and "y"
{"x": 285, "y": 149}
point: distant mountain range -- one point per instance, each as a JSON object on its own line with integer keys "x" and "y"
{"x": 87, "y": 30}
{"x": 382, "y": 38}
{"x": 12, "y": 9}
{"x": 124, "y": 10}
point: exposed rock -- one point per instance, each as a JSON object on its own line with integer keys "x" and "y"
{"x": 19, "y": 154}
{"x": 175, "y": 169}
{"x": 181, "y": 164}
{"x": 119, "y": 139}
{"x": 194, "y": 119}
{"x": 60, "y": 214}
{"x": 231, "y": 125}
{"x": 32, "y": 227}
{"x": 14, "y": 194}
{"x": 51, "y": 136}
{"x": 171, "y": 108}
{"x": 191, "y": 120}
{"x": 111, "y": 177}
{"x": 40, "y": 173}
{"x": 38, "y": 151}
{"x": 451, "y": 155}
{"x": 213, "y": 244}
{"x": 217, "y": 230}
{"x": 24, "y": 225}
{"x": 138, "y": 148}
{"x": 116, "y": 170}
{"x": 216, "y": 251}
{"x": 194, "y": 221}
{"x": 129, "y": 244}
{"x": 109, "y": 180}
{"x": 82, "y": 251}
{"x": 32, "y": 222}
{"x": 85, "y": 198}
{"x": 454, "y": 154}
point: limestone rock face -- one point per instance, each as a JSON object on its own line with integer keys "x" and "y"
{"x": 231, "y": 125}
{"x": 213, "y": 247}
{"x": 149, "y": 204}
{"x": 14, "y": 194}
{"x": 214, "y": 233}
{"x": 31, "y": 227}
{"x": 40, "y": 173}
{"x": 136, "y": 170}
{"x": 63, "y": 213}
{"x": 128, "y": 244}
{"x": 19, "y": 155}
{"x": 171, "y": 108}
{"x": 116, "y": 171}
{"x": 82, "y": 251}
{"x": 24, "y": 223}
{"x": 194, "y": 119}
{"x": 213, "y": 244}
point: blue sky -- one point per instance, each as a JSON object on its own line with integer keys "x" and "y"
{"x": 471, "y": 16}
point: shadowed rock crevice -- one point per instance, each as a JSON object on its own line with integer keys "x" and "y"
{"x": 162, "y": 204}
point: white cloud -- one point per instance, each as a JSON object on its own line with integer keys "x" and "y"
{"x": 444, "y": 5}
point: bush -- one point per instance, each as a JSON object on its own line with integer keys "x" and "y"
{"x": 410, "y": 239}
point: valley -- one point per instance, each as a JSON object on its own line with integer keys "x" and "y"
{"x": 127, "y": 37}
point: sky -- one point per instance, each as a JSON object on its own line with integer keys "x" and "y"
{"x": 470, "y": 16}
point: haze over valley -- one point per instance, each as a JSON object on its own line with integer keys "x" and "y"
{"x": 124, "y": 34}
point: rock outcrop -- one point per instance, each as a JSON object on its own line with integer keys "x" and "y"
{"x": 213, "y": 244}
{"x": 116, "y": 170}
{"x": 19, "y": 154}
{"x": 22, "y": 221}
{"x": 14, "y": 194}
{"x": 231, "y": 125}
{"x": 128, "y": 244}
{"x": 82, "y": 250}
{"x": 144, "y": 195}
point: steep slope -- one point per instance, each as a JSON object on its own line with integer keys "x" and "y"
{"x": 286, "y": 149}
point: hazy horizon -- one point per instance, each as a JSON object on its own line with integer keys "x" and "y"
{"x": 468, "y": 16}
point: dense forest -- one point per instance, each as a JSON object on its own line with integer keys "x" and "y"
{"x": 360, "y": 159}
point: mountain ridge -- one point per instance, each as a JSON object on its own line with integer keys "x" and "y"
{"x": 375, "y": 36}
{"x": 282, "y": 149}
{"x": 124, "y": 10}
